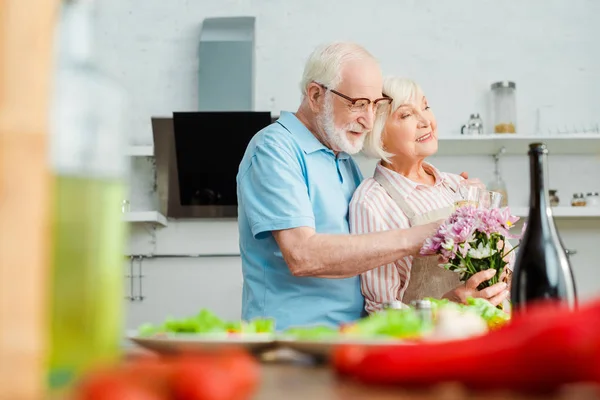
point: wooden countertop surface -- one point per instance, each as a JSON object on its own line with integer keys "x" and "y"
{"x": 302, "y": 382}
{"x": 287, "y": 375}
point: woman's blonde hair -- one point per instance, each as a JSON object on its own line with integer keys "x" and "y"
{"x": 402, "y": 91}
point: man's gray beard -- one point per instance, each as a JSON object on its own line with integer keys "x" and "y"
{"x": 337, "y": 138}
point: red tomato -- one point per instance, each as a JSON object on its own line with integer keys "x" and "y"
{"x": 346, "y": 358}
{"x": 200, "y": 379}
{"x": 112, "y": 385}
{"x": 154, "y": 374}
{"x": 228, "y": 375}
{"x": 244, "y": 371}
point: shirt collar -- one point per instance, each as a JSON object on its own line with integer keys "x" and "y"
{"x": 305, "y": 138}
{"x": 406, "y": 186}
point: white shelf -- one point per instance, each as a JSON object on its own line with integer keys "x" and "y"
{"x": 518, "y": 144}
{"x": 515, "y": 144}
{"x": 140, "y": 151}
{"x": 562, "y": 212}
{"x": 153, "y": 217}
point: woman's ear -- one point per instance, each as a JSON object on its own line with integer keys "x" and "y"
{"x": 315, "y": 95}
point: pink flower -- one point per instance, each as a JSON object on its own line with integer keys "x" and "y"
{"x": 461, "y": 231}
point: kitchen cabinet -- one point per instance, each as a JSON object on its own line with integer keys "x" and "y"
{"x": 160, "y": 287}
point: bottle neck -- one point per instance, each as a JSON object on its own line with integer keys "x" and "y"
{"x": 538, "y": 180}
{"x": 75, "y": 31}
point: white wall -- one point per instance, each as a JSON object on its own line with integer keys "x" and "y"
{"x": 454, "y": 49}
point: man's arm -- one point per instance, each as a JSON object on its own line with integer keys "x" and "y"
{"x": 308, "y": 253}
{"x": 275, "y": 199}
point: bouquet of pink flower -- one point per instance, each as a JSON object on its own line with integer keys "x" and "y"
{"x": 472, "y": 240}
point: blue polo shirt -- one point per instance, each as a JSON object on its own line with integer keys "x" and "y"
{"x": 288, "y": 179}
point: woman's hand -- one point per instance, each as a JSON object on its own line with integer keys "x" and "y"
{"x": 495, "y": 294}
{"x": 471, "y": 182}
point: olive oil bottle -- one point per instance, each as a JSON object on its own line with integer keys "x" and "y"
{"x": 88, "y": 235}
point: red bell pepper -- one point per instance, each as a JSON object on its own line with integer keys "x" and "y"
{"x": 537, "y": 351}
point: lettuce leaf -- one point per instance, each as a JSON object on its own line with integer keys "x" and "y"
{"x": 311, "y": 332}
{"x": 404, "y": 323}
{"x": 207, "y": 322}
{"x": 492, "y": 315}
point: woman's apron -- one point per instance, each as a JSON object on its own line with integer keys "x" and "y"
{"x": 425, "y": 278}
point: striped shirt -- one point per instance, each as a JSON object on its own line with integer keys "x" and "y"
{"x": 373, "y": 210}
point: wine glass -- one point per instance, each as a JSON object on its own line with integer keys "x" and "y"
{"x": 490, "y": 199}
{"x": 467, "y": 194}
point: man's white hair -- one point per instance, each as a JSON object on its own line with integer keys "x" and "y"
{"x": 324, "y": 65}
{"x": 402, "y": 91}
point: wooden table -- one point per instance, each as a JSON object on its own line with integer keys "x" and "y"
{"x": 288, "y": 375}
{"x": 302, "y": 382}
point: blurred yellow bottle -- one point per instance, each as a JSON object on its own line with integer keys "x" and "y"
{"x": 88, "y": 235}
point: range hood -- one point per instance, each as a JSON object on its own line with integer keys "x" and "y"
{"x": 197, "y": 157}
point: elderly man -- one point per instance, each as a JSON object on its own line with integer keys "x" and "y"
{"x": 295, "y": 183}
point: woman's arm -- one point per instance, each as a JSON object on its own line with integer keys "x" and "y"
{"x": 386, "y": 283}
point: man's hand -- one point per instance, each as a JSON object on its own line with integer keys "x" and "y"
{"x": 495, "y": 294}
{"x": 471, "y": 182}
{"x": 419, "y": 233}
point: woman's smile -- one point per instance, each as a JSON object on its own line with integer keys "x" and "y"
{"x": 425, "y": 137}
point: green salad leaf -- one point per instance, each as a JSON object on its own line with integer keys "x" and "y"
{"x": 491, "y": 314}
{"x": 207, "y": 322}
{"x": 311, "y": 332}
{"x": 404, "y": 323}
{"x": 258, "y": 325}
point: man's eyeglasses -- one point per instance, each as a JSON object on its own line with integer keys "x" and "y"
{"x": 361, "y": 104}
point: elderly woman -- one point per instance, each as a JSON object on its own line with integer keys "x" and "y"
{"x": 406, "y": 191}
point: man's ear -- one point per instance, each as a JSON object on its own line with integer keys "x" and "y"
{"x": 315, "y": 94}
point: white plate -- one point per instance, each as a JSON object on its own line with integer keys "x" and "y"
{"x": 324, "y": 347}
{"x": 189, "y": 342}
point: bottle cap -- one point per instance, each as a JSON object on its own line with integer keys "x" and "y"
{"x": 539, "y": 148}
{"x": 504, "y": 84}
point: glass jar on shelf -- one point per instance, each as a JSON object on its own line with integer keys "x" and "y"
{"x": 592, "y": 199}
{"x": 504, "y": 107}
{"x": 578, "y": 200}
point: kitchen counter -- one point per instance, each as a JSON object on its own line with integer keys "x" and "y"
{"x": 290, "y": 376}
{"x": 298, "y": 382}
